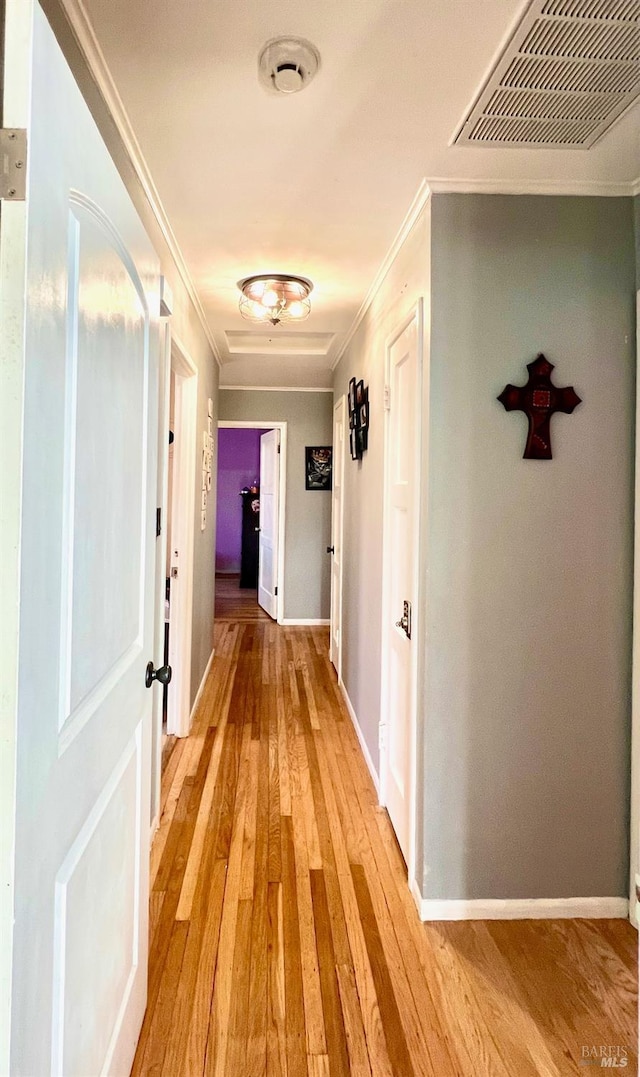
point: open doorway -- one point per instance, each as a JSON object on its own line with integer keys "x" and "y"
{"x": 250, "y": 520}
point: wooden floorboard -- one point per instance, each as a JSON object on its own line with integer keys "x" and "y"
{"x": 284, "y": 939}
{"x": 237, "y": 604}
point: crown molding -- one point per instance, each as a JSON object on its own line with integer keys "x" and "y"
{"x": 442, "y": 185}
{"x": 275, "y": 388}
{"x": 415, "y": 209}
{"x": 594, "y": 188}
{"x": 80, "y": 25}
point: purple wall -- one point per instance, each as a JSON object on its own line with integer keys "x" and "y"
{"x": 238, "y": 466}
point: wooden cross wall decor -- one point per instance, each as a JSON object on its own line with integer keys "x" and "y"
{"x": 539, "y": 399}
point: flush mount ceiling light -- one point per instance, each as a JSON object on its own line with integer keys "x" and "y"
{"x": 275, "y": 298}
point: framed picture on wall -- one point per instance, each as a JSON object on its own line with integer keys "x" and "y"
{"x": 352, "y": 397}
{"x": 318, "y": 463}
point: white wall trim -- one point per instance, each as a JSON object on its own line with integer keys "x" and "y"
{"x": 161, "y": 559}
{"x": 601, "y": 188}
{"x": 17, "y": 97}
{"x": 590, "y": 908}
{"x": 183, "y": 507}
{"x": 292, "y": 621}
{"x": 417, "y": 897}
{"x": 443, "y": 185}
{"x": 275, "y": 388}
{"x": 356, "y": 725}
{"x": 272, "y": 424}
{"x": 415, "y": 209}
{"x": 82, "y": 29}
{"x": 207, "y": 670}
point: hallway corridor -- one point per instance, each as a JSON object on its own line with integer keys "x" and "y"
{"x": 284, "y": 939}
{"x": 234, "y": 603}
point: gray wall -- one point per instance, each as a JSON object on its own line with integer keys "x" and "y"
{"x": 309, "y": 418}
{"x": 204, "y": 542}
{"x": 526, "y": 783}
{"x": 636, "y": 217}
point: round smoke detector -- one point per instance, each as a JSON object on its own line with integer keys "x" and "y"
{"x": 287, "y": 64}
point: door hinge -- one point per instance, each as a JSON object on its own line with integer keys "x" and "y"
{"x": 158, "y": 522}
{"x": 278, "y": 448}
{"x": 405, "y": 622}
{"x": 387, "y": 398}
{"x": 275, "y": 590}
{"x": 382, "y": 737}
{"x": 13, "y": 164}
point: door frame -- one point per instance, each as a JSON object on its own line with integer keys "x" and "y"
{"x": 634, "y": 858}
{"x": 164, "y": 384}
{"x": 269, "y": 424}
{"x": 415, "y": 314}
{"x": 340, "y": 402}
{"x": 183, "y": 508}
{"x": 16, "y": 96}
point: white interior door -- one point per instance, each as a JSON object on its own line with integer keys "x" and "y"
{"x": 87, "y": 597}
{"x": 337, "y": 500}
{"x": 268, "y": 544}
{"x": 398, "y": 761}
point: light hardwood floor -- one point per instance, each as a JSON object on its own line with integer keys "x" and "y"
{"x": 234, "y": 603}
{"x": 284, "y": 938}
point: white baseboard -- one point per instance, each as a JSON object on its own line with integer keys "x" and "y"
{"x": 585, "y": 908}
{"x": 365, "y": 751}
{"x": 201, "y": 688}
{"x": 293, "y": 621}
{"x": 417, "y": 897}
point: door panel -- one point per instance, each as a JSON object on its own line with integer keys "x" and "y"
{"x": 106, "y": 376}
{"x": 337, "y": 513}
{"x": 87, "y": 597}
{"x": 400, "y": 556}
{"x": 268, "y": 544}
{"x": 90, "y": 996}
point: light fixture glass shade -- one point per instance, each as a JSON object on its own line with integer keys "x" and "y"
{"x": 275, "y": 298}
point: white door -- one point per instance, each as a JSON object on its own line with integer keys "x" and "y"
{"x": 268, "y": 544}
{"x": 91, "y": 356}
{"x": 337, "y": 497}
{"x": 398, "y": 761}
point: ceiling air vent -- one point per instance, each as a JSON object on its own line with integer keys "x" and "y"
{"x": 569, "y": 70}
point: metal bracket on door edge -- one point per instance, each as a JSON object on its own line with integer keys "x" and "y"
{"x": 13, "y": 164}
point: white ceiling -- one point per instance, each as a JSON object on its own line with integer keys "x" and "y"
{"x": 316, "y": 183}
